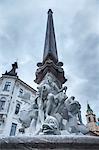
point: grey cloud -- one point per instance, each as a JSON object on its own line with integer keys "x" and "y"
{"x": 22, "y": 33}
{"x": 86, "y": 55}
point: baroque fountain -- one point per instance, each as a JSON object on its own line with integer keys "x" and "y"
{"x": 56, "y": 118}
{"x": 52, "y": 111}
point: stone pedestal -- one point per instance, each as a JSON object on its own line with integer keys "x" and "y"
{"x": 55, "y": 142}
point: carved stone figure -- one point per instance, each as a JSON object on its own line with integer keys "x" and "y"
{"x": 74, "y": 123}
{"x": 27, "y": 114}
{"x": 54, "y": 102}
{"x": 74, "y": 108}
{"x": 53, "y": 111}
{"x": 50, "y": 126}
{"x": 47, "y": 90}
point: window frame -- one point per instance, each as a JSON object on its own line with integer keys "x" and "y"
{"x": 2, "y": 105}
{"x": 89, "y": 119}
{"x": 13, "y": 129}
{"x": 7, "y": 86}
{"x": 20, "y": 92}
{"x": 17, "y": 107}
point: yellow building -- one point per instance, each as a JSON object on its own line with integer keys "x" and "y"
{"x": 92, "y": 122}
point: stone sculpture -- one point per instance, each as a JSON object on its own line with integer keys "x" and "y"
{"x": 50, "y": 108}
{"x": 28, "y": 114}
{"x": 52, "y": 111}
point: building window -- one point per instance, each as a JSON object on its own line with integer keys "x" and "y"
{"x": 20, "y": 92}
{"x": 17, "y": 109}
{"x": 89, "y": 119}
{"x": 94, "y": 119}
{"x": 0, "y": 123}
{"x": 13, "y": 129}
{"x": 7, "y": 86}
{"x": 2, "y": 103}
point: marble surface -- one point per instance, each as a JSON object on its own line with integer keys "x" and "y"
{"x": 52, "y": 111}
{"x": 50, "y": 142}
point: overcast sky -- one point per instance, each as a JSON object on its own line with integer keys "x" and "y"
{"x": 76, "y": 22}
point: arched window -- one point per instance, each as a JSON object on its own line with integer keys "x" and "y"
{"x": 17, "y": 109}
{"x": 2, "y": 103}
{"x": 94, "y": 119}
{"x": 89, "y": 119}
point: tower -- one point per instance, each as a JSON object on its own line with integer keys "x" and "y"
{"x": 91, "y": 120}
{"x": 50, "y": 63}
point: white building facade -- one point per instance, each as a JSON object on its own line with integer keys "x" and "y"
{"x": 14, "y": 93}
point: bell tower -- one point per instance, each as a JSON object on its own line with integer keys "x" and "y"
{"x": 91, "y": 119}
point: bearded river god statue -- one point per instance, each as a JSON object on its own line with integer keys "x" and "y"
{"x": 52, "y": 111}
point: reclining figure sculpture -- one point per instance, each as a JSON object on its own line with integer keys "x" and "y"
{"x": 52, "y": 111}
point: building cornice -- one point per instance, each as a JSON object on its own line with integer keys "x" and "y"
{"x": 20, "y": 81}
